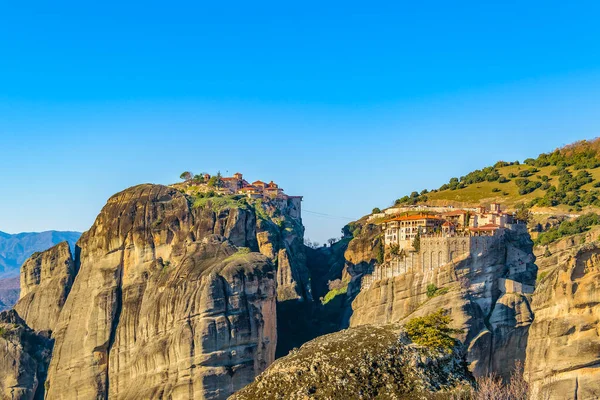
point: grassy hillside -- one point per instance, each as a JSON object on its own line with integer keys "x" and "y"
{"x": 565, "y": 180}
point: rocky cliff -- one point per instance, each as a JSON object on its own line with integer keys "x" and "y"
{"x": 366, "y": 362}
{"x": 563, "y": 353}
{"x": 46, "y": 279}
{"x": 24, "y": 357}
{"x": 15, "y": 249}
{"x": 483, "y": 292}
{"x": 170, "y": 295}
{"x": 169, "y": 301}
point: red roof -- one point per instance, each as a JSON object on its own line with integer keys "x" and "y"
{"x": 447, "y": 223}
{"x": 246, "y": 188}
{"x": 258, "y": 183}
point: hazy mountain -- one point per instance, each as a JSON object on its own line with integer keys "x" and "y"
{"x": 15, "y": 249}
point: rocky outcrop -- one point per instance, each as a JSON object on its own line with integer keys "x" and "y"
{"x": 171, "y": 300}
{"x": 360, "y": 363}
{"x": 24, "y": 357}
{"x": 563, "y": 353}
{"x": 46, "y": 280}
{"x": 15, "y": 249}
{"x": 484, "y": 294}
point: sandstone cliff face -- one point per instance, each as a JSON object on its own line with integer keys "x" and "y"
{"x": 482, "y": 294}
{"x": 169, "y": 301}
{"x": 366, "y": 362}
{"x": 563, "y": 353}
{"x": 24, "y": 357}
{"x": 46, "y": 280}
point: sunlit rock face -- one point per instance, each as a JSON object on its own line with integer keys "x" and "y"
{"x": 169, "y": 301}
{"x": 46, "y": 280}
{"x": 563, "y": 353}
{"x": 486, "y": 293}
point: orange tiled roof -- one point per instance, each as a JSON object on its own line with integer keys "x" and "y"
{"x": 258, "y": 183}
{"x": 447, "y": 223}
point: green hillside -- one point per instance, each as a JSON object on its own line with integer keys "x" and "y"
{"x": 565, "y": 180}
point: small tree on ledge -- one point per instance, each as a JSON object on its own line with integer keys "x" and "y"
{"x": 416, "y": 244}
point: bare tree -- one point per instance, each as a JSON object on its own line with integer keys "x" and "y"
{"x": 335, "y": 284}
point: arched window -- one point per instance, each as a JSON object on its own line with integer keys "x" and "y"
{"x": 439, "y": 259}
{"x": 423, "y": 266}
{"x": 431, "y": 260}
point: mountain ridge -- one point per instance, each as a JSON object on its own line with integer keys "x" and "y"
{"x": 16, "y": 248}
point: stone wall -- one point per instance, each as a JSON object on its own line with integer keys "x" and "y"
{"x": 435, "y": 251}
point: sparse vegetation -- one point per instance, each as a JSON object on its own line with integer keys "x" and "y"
{"x": 218, "y": 203}
{"x": 568, "y": 228}
{"x": 241, "y": 252}
{"x": 541, "y": 276}
{"x": 576, "y": 167}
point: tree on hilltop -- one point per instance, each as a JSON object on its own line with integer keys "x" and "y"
{"x": 186, "y": 176}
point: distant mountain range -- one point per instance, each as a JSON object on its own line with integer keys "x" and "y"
{"x": 15, "y": 249}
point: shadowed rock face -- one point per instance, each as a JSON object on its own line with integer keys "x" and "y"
{"x": 24, "y": 357}
{"x": 494, "y": 319}
{"x": 165, "y": 304}
{"x": 366, "y": 362}
{"x": 563, "y": 353}
{"x": 46, "y": 280}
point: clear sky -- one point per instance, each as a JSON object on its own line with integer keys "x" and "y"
{"x": 351, "y": 104}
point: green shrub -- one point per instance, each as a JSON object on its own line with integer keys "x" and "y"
{"x": 433, "y": 291}
{"x": 3, "y": 332}
{"x": 433, "y": 331}
{"x": 333, "y": 293}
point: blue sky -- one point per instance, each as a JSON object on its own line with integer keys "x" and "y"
{"x": 351, "y": 104}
